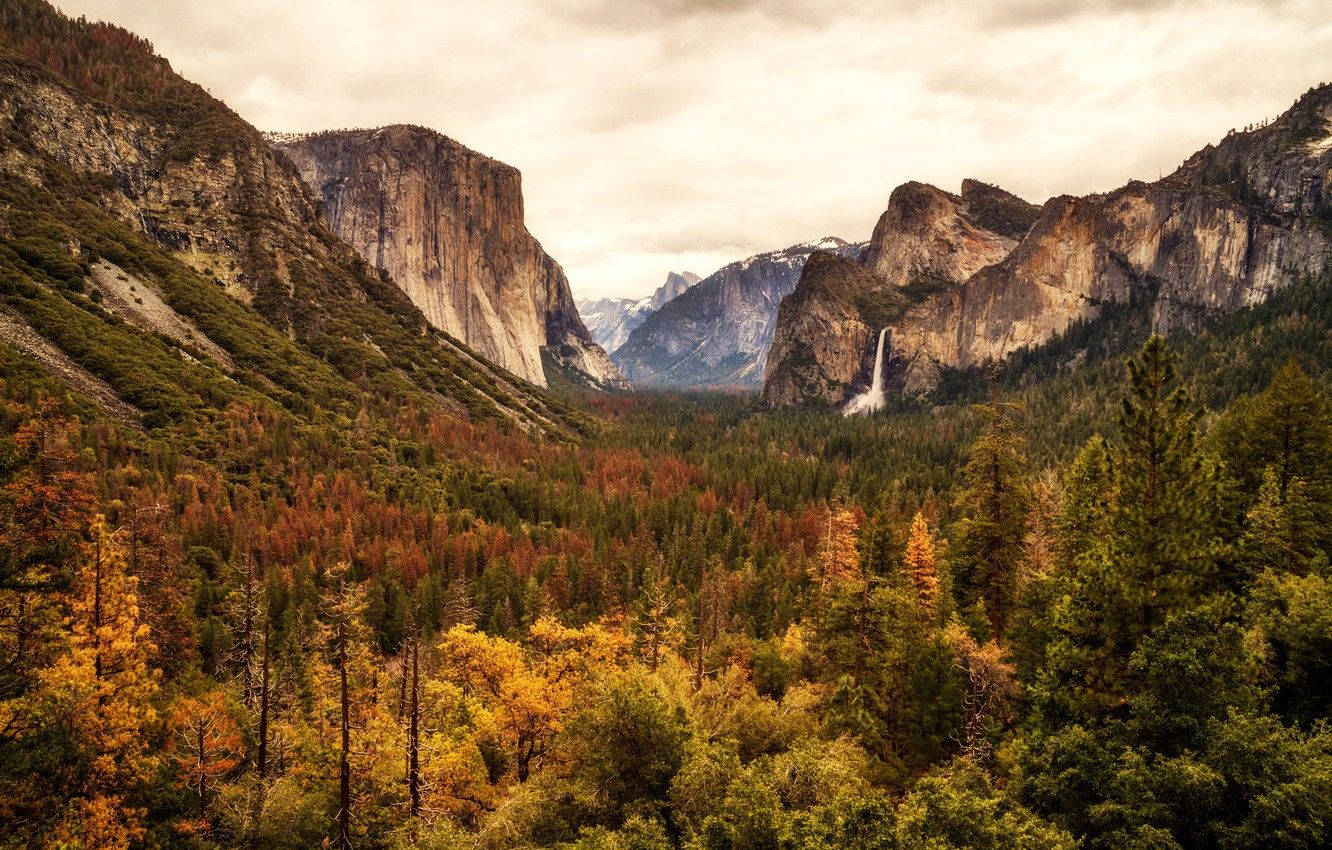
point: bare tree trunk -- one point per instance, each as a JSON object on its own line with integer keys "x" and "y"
{"x": 344, "y": 765}
{"x": 414, "y": 739}
{"x": 402, "y": 685}
{"x": 247, "y": 635}
{"x": 203, "y": 776}
{"x": 97, "y": 609}
{"x": 263, "y": 708}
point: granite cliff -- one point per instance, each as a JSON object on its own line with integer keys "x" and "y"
{"x": 968, "y": 283}
{"x": 718, "y": 332}
{"x": 445, "y": 223}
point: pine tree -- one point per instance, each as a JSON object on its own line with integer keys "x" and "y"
{"x": 994, "y": 503}
{"x": 1282, "y": 531}
{"x": 1157, "y": 536}
{"x": 921, "y": 566}
{"x": 1287, "y": 428}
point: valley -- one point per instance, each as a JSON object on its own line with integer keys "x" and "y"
{"x": 329, "y": 518}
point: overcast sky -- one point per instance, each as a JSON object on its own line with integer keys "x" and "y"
{"x": 658, "y": 135}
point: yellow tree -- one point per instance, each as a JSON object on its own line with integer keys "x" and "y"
{"x": 838, "y": 555}
{"x": 205, "y": 746}
{"x": 102, "y": 687}
{"x": 521, "y": 702}
{"x": 921, "y": 565}
{"x": 343, "y": 607}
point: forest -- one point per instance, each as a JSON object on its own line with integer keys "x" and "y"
{"x": 1078, "y": 607}
{"x": 355, "y": 588}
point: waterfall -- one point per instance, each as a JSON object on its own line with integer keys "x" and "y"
{"x": 872, "y": 398}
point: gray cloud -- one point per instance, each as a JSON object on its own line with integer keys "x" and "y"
{"x": 667, "y": 134}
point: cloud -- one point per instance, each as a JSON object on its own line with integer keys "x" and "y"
{"x": 666, "y": 134}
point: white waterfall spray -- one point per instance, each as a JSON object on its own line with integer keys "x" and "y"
{"x": 872, "y": 398}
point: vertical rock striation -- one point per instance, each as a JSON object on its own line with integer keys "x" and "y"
{"x": 446, "y": 225}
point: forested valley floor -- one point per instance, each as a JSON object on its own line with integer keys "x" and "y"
{"x": 1065, "y": 603}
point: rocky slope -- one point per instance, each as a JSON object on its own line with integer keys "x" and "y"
{"x": 446, "y": 224}
{"x": 1236, "y": 222}
{"x": 719, "y": 331}
{"x": 110, "y": 156}
{"x": 610, "y": 320}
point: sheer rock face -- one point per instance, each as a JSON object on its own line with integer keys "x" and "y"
{"x": 446, "y": 225}
{"x": 1236, "y": 222}
{"x": 823, "y": 342}
{"x": 718, "y": 332}
{"x": 927, "y": 240}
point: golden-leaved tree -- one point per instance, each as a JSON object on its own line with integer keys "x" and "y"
{"x": 101, "y": 689}
{"x": 921, "y": 566}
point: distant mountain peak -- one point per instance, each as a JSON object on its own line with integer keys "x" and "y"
{"x": 717, "y": 333}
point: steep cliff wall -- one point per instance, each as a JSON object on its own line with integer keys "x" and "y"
{"x": 825, "y": 339}
{"x": 927, "y": 241}
{"x": 446, "y": 224}
{"x": 1236, "y": 222}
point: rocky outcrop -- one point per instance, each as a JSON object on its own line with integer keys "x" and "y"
{"x": 926, "y": 241}
{"x": 446, "y": 224}
{"x": 1236, "y": 222}
{"x": 611, "y": 320}
{"x": 929, "y": 235}
{"x": 825, "y": 339}
{"x": 135, "y": 148}
{"x": 675, "y": 286}
{"x": 719, "y": 331}
{"x": 1194, "y": 253}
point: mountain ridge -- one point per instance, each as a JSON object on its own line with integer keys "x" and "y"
{"x": 718, "y": 332}
{"x": 1235, "y": 223}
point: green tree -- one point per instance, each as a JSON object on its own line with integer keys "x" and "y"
{"x": 994, "y": 504}
{"x": 627, "y": 745}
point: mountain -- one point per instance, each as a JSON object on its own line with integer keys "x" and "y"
{"x": 446, "y": 224}
{"x": 960, "y": 285}
{"x": 926, "y": 240}
{"x": 674, "y": 287}
{"x": 159, "y": 248}
{"x": 610, "y": 320}
{"x": 718, "y": 332}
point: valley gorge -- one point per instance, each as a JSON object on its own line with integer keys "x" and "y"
{"x": 718, "y": 332}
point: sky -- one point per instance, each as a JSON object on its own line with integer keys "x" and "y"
{"x": 659, "y": 135}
